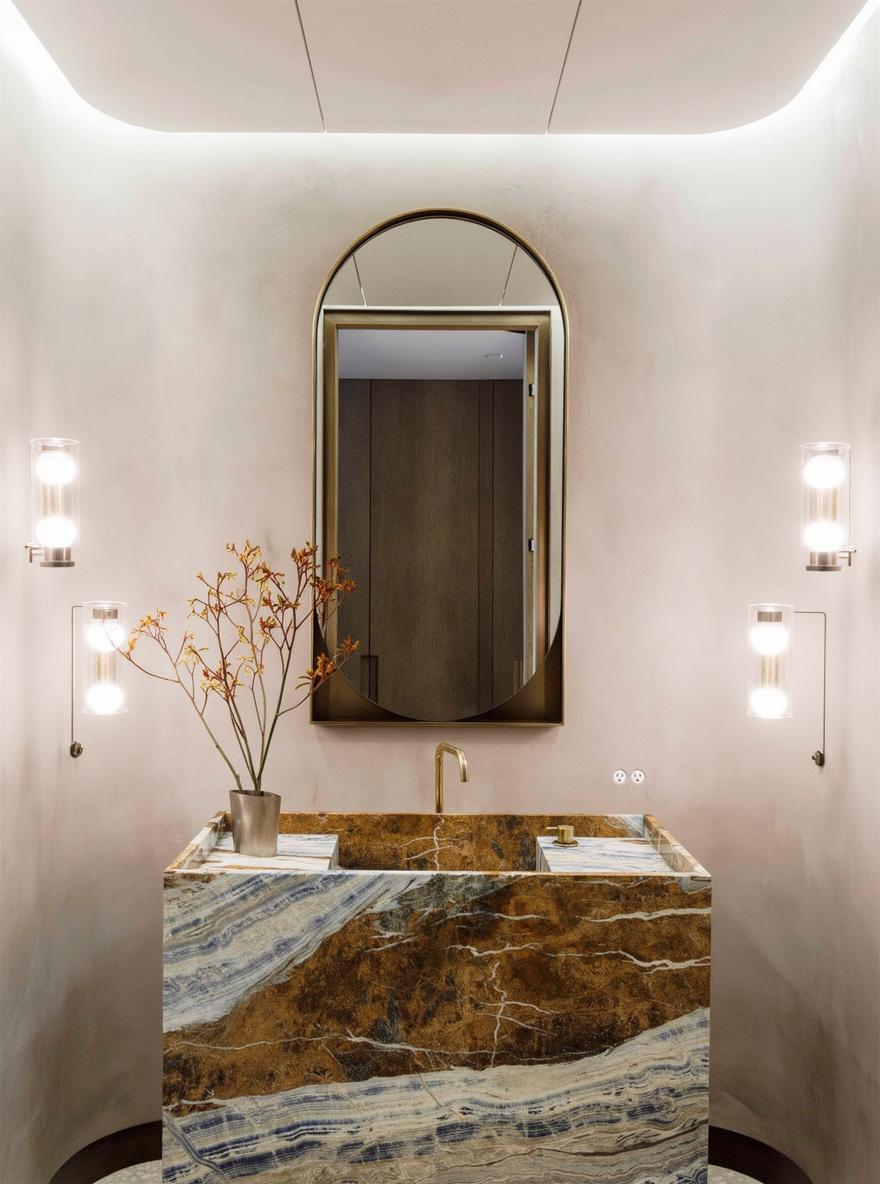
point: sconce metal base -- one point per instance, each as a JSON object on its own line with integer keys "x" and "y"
{"x": 830, "y": 560}
{"x": 50, "y": 556}
{"x": 819, "y": 757}
{"x": 56, "y": 557}
{"x": 823, "y": 561}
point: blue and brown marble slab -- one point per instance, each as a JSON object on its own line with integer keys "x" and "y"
{"x": 456, "y": 1017}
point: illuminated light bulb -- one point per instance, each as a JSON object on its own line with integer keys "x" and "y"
{"x": 768, "y": 702}
{"x": 104, "y": 698}
{"x": 825, "y": 470}
{"x": 824, "y": 535}
{"x": 55, "y": 531}
{"x": 769, "y": 638}
{"x": 54, "y": 467}
{"x": 105, "y": 636}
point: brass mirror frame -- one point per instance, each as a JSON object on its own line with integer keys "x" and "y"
{"x": 540, "y": 702}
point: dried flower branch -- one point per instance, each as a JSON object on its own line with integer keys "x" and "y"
{"x": 250, "y": 616}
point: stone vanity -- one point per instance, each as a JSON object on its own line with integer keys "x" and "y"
{"x": 403, "y": 998}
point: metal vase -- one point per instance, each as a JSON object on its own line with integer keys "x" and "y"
{"x": 255, "y": 822}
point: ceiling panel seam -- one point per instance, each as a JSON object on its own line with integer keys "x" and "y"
{"x": 507, "y": 277}
{"x": 357, "y": 272}
{"x": 302, "y": 30}
{"x": 577, "y": 13}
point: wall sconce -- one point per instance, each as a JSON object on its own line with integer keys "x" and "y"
{"x": 96, "y": 650}
{"x": 770, "y": 668}
{"x": 770, "y": 646}
{"x": 825, "y": 515}
{"x": 54, "y": 500}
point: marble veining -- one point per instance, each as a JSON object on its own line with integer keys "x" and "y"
{"x": 632, "y": 1114}
{"x": 411, "y": 1024}
{"x": 247, "y": 929}
{"x": 151, "y": 1173}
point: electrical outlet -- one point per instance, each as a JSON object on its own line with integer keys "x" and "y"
{"x": 619, "y": 776}
{"x": 637, "y": 776}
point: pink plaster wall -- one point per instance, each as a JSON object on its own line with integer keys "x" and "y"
{"x": 723, "y": 295}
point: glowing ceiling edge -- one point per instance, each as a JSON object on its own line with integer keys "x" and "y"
{"x": 19, "y": 40}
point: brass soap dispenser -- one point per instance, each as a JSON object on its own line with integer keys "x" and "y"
{"x": 564, "y": 835}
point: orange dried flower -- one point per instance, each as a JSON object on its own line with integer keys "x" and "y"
{"x": 247, "y": 614}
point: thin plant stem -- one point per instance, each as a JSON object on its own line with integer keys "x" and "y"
{"x": 256, "y": 606}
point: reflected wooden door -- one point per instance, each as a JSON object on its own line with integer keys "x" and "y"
{"x": 431, "y": 526}
{"x": 424, "y": 498}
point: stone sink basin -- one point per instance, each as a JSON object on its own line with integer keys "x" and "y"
{"x": 399, "y": 998}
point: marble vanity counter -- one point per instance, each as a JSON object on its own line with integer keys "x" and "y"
{"x": 433, "y": 1009}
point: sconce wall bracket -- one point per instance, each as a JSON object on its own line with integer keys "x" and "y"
{"x": 818, "y": 757}
{"x": 76, "y": 748}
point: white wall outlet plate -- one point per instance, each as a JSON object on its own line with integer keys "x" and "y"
{"x": 619, "y": 776}
{"x": 637, "y": 776}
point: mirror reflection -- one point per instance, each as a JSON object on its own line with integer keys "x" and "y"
{"x": 440, "y": 417}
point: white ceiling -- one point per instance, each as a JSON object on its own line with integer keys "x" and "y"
{"x": 430, "y": 353}
{"x": 438, "y": 65}
{"x": 691, "y": 65}
{"x": 448, "y": 65}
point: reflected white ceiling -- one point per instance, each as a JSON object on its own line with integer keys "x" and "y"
{"x": 444, "y": 262}
{"x": 430, "y": 353}
{"x": 461, "y": 66}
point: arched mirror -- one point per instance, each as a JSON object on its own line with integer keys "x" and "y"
{"x": 440, "y": 360}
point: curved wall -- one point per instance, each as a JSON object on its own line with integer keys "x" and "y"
{"x": 723, "y": 293}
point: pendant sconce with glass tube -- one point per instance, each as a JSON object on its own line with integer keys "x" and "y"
{"x": 54, "y": 500}
{"x": 825, "y": 534}
{"x": 825, "y": 516}
{"x": 94, "y": 650}
{"x": 770, "y": 669}
{"x": 770, "y": 632}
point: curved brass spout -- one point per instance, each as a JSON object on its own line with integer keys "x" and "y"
{"x": 442, "y": 748}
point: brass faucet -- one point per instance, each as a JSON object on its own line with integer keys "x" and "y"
{"x": 442, "y": 748}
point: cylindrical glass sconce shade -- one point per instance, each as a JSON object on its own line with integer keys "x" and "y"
{"x": 770, "y": 634}
{"x": 825, "y": 513}
{"x": 103, "y": 667}
{"x": 55, "y": 499}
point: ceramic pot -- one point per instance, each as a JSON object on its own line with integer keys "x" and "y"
{"x": 255, "y": 822}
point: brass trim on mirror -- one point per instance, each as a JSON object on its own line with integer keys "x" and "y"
{"x": 539, "y": 703}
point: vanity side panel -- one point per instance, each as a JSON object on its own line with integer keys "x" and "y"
{"x": 204, "y": 842}
{"x": 383, "y": 1027}
{"x": 670, "y": 849}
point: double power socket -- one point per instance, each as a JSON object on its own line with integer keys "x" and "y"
{"x": 619, "y": 776}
